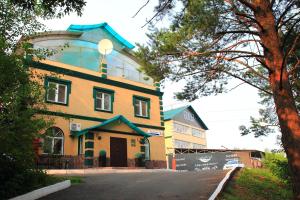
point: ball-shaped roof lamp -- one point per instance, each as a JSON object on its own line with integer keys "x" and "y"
{"x": 105, "y": 47}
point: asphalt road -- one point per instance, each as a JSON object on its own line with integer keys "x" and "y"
{"x": 143, "y": 186}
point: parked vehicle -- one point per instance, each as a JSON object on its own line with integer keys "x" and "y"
{"x": 232, "y": 164}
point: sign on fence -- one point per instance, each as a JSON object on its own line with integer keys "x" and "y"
{"x": 202, "y": 161}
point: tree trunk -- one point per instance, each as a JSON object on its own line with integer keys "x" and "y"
{"x": 289, "y": 121}
{"x": 286, "y": 110}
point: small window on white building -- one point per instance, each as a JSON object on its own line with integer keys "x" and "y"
{"x": 197, "y": 133}
{"x": 198, "y": 146}
{"x": 182, "y": 144}
{"x": 179, "y": 128}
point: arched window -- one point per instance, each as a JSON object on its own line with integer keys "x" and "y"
{"x": 54, "y": 141}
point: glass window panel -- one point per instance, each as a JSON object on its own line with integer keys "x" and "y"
{"x": 107, "y": 102}
{"x": 47, "y": 146}
{"x": 62, "y": 93}
{"x": 99, "y": 103}
{"x": 179, "y": 128}
{"x": 53, "y": 141}
{"x": 144, "y": 108}
{"x": 198, "y": 146}
{"x": 80, "y": 145}
{"x": 137, "y": 108}
{"x": 196, "y": 132}
{"x": 99, "y": 95}
{"x": 182, "y": 144}
{"x": 57, "y": 146}
{"x": 56, "y": 132}
{"x": 51, "y": 91}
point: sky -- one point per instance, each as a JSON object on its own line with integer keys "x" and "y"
{"x": 223, "y": 114}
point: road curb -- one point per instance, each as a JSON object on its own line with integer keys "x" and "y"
{"x": 102, "y": 171}
{"x": 35, "y": 194}
{"x": 223, "y": 183}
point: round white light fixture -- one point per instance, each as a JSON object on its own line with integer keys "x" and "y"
{"x": 105, "y": 46}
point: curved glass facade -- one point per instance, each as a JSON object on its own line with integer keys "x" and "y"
{"x": 85, "y": 54}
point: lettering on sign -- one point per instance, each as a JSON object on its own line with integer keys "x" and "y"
{"x": 155, "y": 132}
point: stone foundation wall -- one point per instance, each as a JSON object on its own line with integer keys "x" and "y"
{"x": 155, "y": 164}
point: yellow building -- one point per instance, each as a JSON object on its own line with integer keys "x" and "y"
{"x": 184, "y": 129}
{"x": 98, "y": 99}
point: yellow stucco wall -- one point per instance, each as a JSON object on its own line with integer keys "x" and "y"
{"x": 171, "y": 136}
{"x": 81, "y": 102}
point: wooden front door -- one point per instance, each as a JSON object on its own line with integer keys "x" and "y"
{"x": 118, "y": 152}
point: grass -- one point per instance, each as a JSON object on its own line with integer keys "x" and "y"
{"x": 258, "y": 184}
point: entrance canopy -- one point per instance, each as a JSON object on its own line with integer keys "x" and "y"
{"x": 111, "y": 122}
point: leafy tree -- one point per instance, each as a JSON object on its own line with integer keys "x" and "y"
{"x": 210, "y": 42}
{"x": 21, "y": 94}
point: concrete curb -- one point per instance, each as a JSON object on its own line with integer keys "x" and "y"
{"x": 35, "y": 194}
{"x": 101, "y": 171}
{"x": 222, "y": 184}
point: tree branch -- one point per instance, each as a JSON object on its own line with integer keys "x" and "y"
{"x": 140, "y": 9}
{"x": 238, "y": 31}
{"x": 284, "y": 13}
{"x": 248, "y": 4}
{"x": 157, "y": 13}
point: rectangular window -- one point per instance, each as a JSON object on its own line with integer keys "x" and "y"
{"x": 80, "y": 145}
{"x": 198, "y": 146}
{"x": 179, "y": 128}
{"x": 141, "y": 107}
{"x": 182, "y": 144}
{"x": 197, "y": 133}
{"x": 57, "y": 90}
{"x": 103, "y": 99}
{"x": 57, "y": 93}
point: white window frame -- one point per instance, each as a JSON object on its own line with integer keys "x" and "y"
{"x": 140, "y": 108}
{"x": 52, "y": 143}
{"x": 195, "y": 135}
{"x": 56, "y": 92}
{"x": 103, "y": 101}
{"x": 178, "y": 130}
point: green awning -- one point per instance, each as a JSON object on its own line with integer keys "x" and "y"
{"x": 109, "y": 121}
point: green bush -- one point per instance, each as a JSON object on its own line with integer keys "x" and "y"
{"x": 278, "y": 165}
{"x": 138, "y": 155}
{"x": 102, "y": 153}
{"x": 16, "y": 178}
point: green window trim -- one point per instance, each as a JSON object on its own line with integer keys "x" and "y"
{"x": 89, "y": 144}
{"x": 106, "y": 91}
{"x": 147, "y": 100}
{"x": 58, "y": 81}
{"x": 97, "y": 79}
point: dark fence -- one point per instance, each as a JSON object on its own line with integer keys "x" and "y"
{"x": 60, "y": 162}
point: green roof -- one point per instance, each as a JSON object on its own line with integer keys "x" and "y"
{"x": 170, "y": 114}
{"x": 108, "y": 28}
{"x": 109, "y": 121}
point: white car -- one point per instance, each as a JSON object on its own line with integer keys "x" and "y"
{"x": 232, "y": 164}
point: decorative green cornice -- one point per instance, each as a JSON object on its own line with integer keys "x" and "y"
{"x": 66, "y": 115}
{"x": 94, "y": 78}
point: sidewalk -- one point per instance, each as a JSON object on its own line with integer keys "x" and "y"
{"x": 103, "y": 171}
